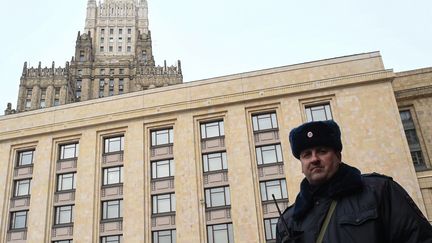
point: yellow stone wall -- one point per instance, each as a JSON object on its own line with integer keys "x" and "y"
{"x": 358, "y": 88}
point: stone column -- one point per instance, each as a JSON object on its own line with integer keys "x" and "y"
{"x": 133, "y": 187}
{"x": 87, "y": 192}
{"x": 41, "y": 196}
{"x": 188, "y": 207}
{"x": 50, "y": 94}
{"x": 35, "y": 97}
{"x": 241, "y": 178}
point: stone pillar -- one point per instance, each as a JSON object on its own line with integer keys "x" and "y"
{"x": 86, "y": 88}
{"x": 241, "y": 178}
{"x": 95, "y": 93}
{"x": 133, "y": 188}
{"x": 188, "y": 207}
{"x": 63, "y": 95}
{"x": 50, "y": 94}
{"x": 41, "y": 196}
{"x": 21, "y": 97}
{"x": 116, "y": 86}
{"x": 87, "y": 192}
{"x": 35, "y": 97}
{"x": 127, "y": 84}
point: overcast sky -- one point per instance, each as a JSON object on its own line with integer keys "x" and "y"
{"x": 215, "y": 38}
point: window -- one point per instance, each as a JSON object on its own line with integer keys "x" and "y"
{"x": 129, "y": 48}
{"x": 218, "y": 196}
{"x": 164, "y": 236}
{"x": 101, "y": 49}
{"x": 114, "y": 144}
{"x": 102, "y": 40}
{"x": 129, "y": 31}
{"x": 318, "y": 113}
{"x": 56, "y": 102}
{"x": 111, "y": 71}
{"x": 57, "y": 91}
{"x": 29, "y": 93}
{"x": 42, "y": 99}
{"x": 276, "y": 187}
{"x": 215, "y": 162}
{"x": 163, "y": 203}
{"x": 81, "y": 56}
{"x": 28, "y": 104}
{"x": 19, "y": 220}
{"x": 111, "y": 83}
{"x": 78, "y": 83}
{"x": 412, "y": 138}
{"x": 111, "y": 31}
{"x": 22, "y": 188}
{"x": 270, "y": 228}
{"x": 113, "y": 175}
{"x": 220, "y": 233}
{"x": 112, "y": 239}
{"x": 42, "y": 103}
{"x": 264, "y": 122}
{"x": 129, "y": 40}
{"x": 119, "y": 48}
{"x": 121, "y": 71}
{"x": 102, "y": 31}
{"x": 162, "y": 137}
{"x": 62, "y": 241}
{"x": 101, "y": 94}
{"x": 111, "y": 39}
{"x": 120, "y": 39}
{"x": 66, "y": 182}
{"x": 69, "y": 151}
{"x": 212, "y": 129}
{"x": 102, "y": 71}
{"x": 110, "y": 49}
{"x": 162, "y": 168}
{"x": 112, "y": 209}
{"x": 121, "y": 83}
{"x": 64, "y": 214}
{"x": 120, "y": 31}
{"x": 25, "y": 158}
{"x": 269, "y": 154}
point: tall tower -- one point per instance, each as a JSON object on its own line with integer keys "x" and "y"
{"x": 113, "y": 56}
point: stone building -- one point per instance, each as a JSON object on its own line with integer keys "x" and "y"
{"x": 195, "y": 161}
{"x": 112, "y": 56}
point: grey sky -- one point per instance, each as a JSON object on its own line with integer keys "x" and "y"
{"x": 215, "y": 38}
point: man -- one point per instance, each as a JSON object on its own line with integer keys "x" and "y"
{"x": 337, "y": 203}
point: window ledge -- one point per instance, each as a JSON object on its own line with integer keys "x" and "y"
{"x": 63, "y": 225}
{"x": 270, "y": 164}
{"x": 112, "y": 185}
{"x": 112, "y": 220}
{"x": 218, "y": 208}
{"x": 21, "y": 197}
{"x": 215, "y": 171}
{"x": 17, "y": 230}
{"x": 155, "y": 215}
{"x": 162, "y": 178}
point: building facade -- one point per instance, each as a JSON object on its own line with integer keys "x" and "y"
{"x": 195, "y": 161}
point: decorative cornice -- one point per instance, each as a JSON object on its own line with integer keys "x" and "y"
{"x": 414, "y": 92}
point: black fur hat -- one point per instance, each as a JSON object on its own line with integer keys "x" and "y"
{"x": 316, "y": 133}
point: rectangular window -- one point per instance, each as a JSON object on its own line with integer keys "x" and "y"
{"x": 111, "y": 31}
{"x": 215, "y": 161}
{"x": 162, "y": 137}
{"x": 101, "y": 48}
{"x": 412, "y": 138}
{"x": 112, "y": 209}
{"x": 18, "y": 220}
{"x": 163, "y": 203}
{"x": 111, "y": 39}
{"x": 269, "y": 154}
{"x": 28, "y": 104}
{"x": 62, "y": 241}
{"x": 22, "y": 188}
{"x": 42, "y": 103}
{"x": 113, "y": 175}
{"x": 129, "y": 48}
{"x": 264, "y": 122}
{"x": 102, "y": 71}
{"x": 212, "y": 129}
{"x": 129, "y": 31}
{"x": 102, "y": 31}
{"x": 121, "y": 71}
{"x": 64, "y": 214}
{"x": 111, "y": 83}
{"x": 220, "y": 233}
{"x": 129, "y": 40}
{"x": 56, "y": 102}
{"x": 270, "y": 228}
{"x": 120, "y": 39}
{"x": 81, "y": 56}
{"x": 217, "y": 197}
{"x": 120, "y": 31}
{"x": 164, "y": 236}
{"x": 102, "y": 40}
{"x": 162, "y": 168}
{"x": 69, "y": 151}
{"x": 112, "y": 239}
{"x": 101, "y": 94}
{"x": 66, "y": 182}
{"x": 25, "y": 158}
{"x": 111, "y": 71}
{"x": 121, "y": 83}
{"x": 110, "y": 48}
{"x": 276, "y": 187}
{"x": 114, "y": 144}
{"x": 119, "y": 48}
{"x": 318, "y": 113}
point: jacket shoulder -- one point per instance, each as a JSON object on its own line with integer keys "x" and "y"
{"x": 376, "y": 177}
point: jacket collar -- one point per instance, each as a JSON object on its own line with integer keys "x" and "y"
{"x": 347, "y": 180}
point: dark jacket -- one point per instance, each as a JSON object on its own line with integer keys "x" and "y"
{"x": 370, "y": 209}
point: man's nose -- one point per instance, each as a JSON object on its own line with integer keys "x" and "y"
{"x": 314, "y": 157}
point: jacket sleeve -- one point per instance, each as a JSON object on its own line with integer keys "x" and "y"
{"x": 402, "y": 219}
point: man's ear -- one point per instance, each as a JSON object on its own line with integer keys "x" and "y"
{"x": 339, "y": 155}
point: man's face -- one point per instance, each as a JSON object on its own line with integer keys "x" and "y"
{"x": 319, "y": 164}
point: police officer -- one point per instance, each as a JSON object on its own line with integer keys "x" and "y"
{"x": 336, "y": 203}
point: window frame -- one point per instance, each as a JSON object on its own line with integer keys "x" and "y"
{"x": 270, "y": 225}
{"x": 156, "y": 199}
{"x": 205, "y": 126}
{"x": 256, "y": 118}
{"x": 106, "y": 176}
{"x": 118, "y": 207}
{"x": 211, "y": 193}
{"x": 282, "y": 190}
{"x": 64, "y": 147}
{"x": 13, "y": 220}
{"x": 61, "y": 181}
{"x": 154, "y": 134}
{"x": 104, "y": 239}
{"x": 326, "y": 107}
{"x": 17, "y": 186}
{"x": 64, "y": 209}
{"x": 412, "y": 138}
{"x": 20, "y": 154}
{"x": 259, "y": 152}
{"x": 207, "y": 161}
{"x": 109, "y": 140}
{"x": 229, "y": 232}
{"x": 156, "y": 236}
{"x": 156, "y": 164}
